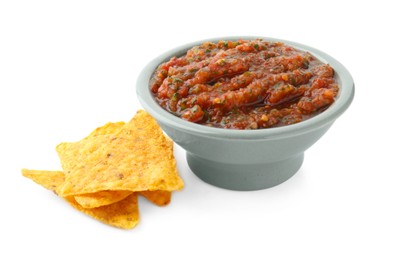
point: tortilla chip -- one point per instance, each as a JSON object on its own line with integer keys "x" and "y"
{"x": 160, "y": 198}
{"x": 112, "y": 162}
{"x": 101, "y": 198}
{"x": 136, "y": 158}
{"x": 122, "y": 214}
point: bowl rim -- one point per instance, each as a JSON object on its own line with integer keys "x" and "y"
{"x": 342, "y": 102}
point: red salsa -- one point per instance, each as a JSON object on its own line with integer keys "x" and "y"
{"x": 244, "y": 84}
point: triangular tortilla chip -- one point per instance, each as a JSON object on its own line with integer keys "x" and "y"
{"x": 136, "y": 158}
{"x": 102, "y": 198}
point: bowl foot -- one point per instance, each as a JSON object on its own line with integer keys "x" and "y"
{"x": 244, "y": 177}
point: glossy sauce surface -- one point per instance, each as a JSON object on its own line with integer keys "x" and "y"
{"x": 244, "y": 84}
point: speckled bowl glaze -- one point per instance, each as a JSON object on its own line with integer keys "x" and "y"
{"x": 245, "y": 159}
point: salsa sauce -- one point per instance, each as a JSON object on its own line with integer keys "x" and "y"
{"x": 244, "y": 84}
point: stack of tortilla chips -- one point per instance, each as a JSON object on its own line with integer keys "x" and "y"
{"x": 104, "y": 172}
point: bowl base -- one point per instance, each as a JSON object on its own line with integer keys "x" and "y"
{"x": 244, "y": 177}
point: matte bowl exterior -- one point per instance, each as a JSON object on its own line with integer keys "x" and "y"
{"x": 245, "y": 159}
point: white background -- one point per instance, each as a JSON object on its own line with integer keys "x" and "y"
{"x": 67, "y": 67}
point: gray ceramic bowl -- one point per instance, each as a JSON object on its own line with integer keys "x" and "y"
{"x": 246, "y": 159}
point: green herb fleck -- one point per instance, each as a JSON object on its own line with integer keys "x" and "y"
{"x": 175, "y": 96}
{"x": 183, "y": 106}
{"x": 177, "y": 80}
